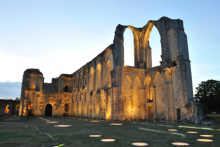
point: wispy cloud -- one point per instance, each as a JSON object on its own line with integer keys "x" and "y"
{"x": 10, "y": 90}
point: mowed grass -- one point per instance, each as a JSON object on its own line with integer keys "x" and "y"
{"x": 26, "y": 134}
{"x": 14, "y": 117}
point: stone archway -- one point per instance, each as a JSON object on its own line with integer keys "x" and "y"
{"x": 66, "y": 106}
{"x": 178, "y": 113}
{"x": 48, "y": 110}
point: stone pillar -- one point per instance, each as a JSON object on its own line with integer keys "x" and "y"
{"x": 170, "y": 101}
{"x": 114, "y": 103}
{"x": 155, "y": 101}
{"x": 103, "y": 104}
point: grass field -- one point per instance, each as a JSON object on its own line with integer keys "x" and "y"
{"x": 26, "y": 134}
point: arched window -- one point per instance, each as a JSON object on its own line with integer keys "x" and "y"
{"x": 98, "y": 77}
{"x": 178, "y": 113}
{"x": 91, "y": 76}
{"x": 128, "y": 48}
{"x": 32, "y": 86}
{"x": 66, "y": 89}
{"x": 155, "y": 45}
{"x": 17, "y": 107}
{"x": 6, "y": 109}
{"x": 108, "y": 74}
{"x": 30, "y": 106}
{"x": 66, "y": 107}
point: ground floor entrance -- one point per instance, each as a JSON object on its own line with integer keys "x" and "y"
{"x": 48, "y": 110}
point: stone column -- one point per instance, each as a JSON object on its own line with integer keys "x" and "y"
{"x": 114, "y": 104}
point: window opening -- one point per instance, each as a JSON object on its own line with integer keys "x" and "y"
{"x": 66, "y": 89}
{"x": 17, "y": 107}
{"x": 6, "y": 110}
{"x": 32, "y": 86}
{"x": 66, "y": 107}
{"x": 154, "y": 43}
{"x": 128, "y": 48}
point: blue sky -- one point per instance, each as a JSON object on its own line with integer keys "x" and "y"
{"x": 61, "y": 36}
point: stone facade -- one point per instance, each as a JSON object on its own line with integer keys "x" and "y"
{"x": 107, "y": 89}
{"x": 9, "y": 107}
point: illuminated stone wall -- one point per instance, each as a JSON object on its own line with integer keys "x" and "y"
{"x": 105, "y": 88}
{"x": 9, "y": 107}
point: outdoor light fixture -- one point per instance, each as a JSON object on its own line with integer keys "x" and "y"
{"x": 191, "y": 132}
{"x": 172, "y": 129}
{"x": 94, "y": 121}
{"x": 108, "y": 140}
{"x": 139, "y": 144}
{"x": 116, "y": 124}
{"x": 94, "y": 135}
{"x": 206, "y": 135}
{"x": 205, "y": 140}
{"x": 62, "y": 126}
{"x": 52, "y": 122}
{"x": 180, "y": 143}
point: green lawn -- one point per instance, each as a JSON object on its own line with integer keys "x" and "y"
{"x": 26, "y": 134}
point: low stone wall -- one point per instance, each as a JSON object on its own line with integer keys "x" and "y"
{"x": 11, "y": 107}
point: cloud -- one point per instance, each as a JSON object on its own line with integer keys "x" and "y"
{"x": 10, "y": 90}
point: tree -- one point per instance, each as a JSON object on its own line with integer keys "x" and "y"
{"x": 208, "y": 93}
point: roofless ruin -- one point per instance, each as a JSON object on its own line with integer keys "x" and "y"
{"x": 106, "y": 89}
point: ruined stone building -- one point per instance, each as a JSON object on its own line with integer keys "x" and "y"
{"x": 107, "y": 89}
{"x": 9, "y": 107}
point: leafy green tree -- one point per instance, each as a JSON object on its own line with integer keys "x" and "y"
{"x": 208, "y": 93}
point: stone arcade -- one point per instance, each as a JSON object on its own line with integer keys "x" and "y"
{"x": 107, "y": 89}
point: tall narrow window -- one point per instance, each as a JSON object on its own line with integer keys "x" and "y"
{"x": 154, "y": 42}
{"x": 91, "y": 76}
{"x": 98, "y": 77}
{"x": 108, "y": 74}
{"x": 6, "y": 109}
{"x": 128, "y": 48}
{"x": 66, "y": 89}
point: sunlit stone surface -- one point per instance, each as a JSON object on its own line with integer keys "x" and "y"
{"x": 180, "y": 143}
{"x": 62, "y": 125}
{"x": 108, "y": 140}
{"x": 139, "y": 144}
{"x": 94, "y": 135}
{"x": 116, "y": 124}
{"x": 206, "y": 135}
{"x": 191, "y": 132}
{"x": 172, "y": 129}
{"x": 205, "y": 140}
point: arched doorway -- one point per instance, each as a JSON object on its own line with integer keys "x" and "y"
{"x": 65, "y": 110}
{"x": 178, "y": 113}
{"x": 48, "y": 110}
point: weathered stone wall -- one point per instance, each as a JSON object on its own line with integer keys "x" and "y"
{"x": 105, "y": 88}
{"x": 11, "y": 106}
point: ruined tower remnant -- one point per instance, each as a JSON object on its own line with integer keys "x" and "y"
{"x": 105, "y": 88}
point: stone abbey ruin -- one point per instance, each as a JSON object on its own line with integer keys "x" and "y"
{"x": 106, "y": 89}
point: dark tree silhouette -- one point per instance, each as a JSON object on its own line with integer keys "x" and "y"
{"x": 208, "y": 93}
